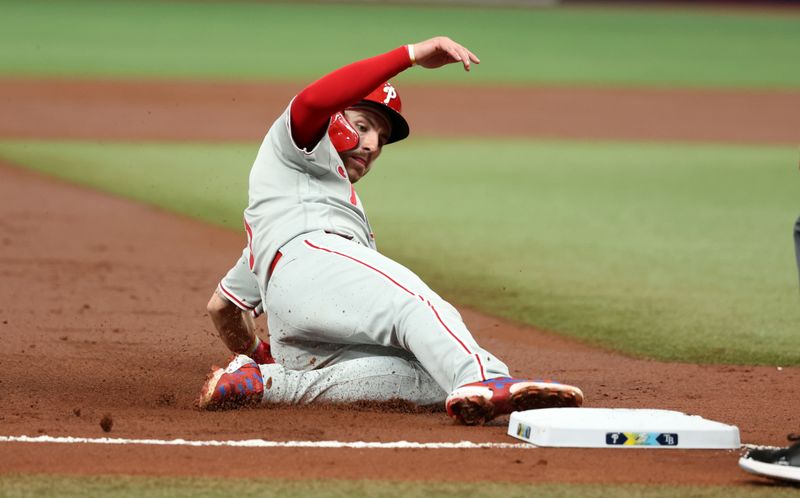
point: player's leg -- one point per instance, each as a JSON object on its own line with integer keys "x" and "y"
{"x": 797, "y": 244}
{"x": 232, "y": 308}
{"x": 374, "y": 378}
{"x": 327, "y": 291}
{"x": 296, "y": 353}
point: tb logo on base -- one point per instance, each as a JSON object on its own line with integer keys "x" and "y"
{"x": 641, "y": 439}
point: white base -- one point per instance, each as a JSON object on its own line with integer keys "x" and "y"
{"x": 620, "y": 428}
{"x": 783, "y": 472}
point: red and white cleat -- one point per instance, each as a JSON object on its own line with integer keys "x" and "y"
{"x": 239, "y": 384}
{"x": 480, "y": 402}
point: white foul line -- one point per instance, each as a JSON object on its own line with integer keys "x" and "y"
{"x": 261, "y": 443}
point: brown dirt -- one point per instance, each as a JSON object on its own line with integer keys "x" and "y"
{"x": 123, "y": 110}
{"x": 103, "y": 314}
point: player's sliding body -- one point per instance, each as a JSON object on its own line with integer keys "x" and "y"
{"x": 346, "y": 322}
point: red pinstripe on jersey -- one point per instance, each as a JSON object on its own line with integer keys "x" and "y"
{"x": 421, "y": 298}
{"x": 250, "y": 244}
{"x": 353, "y": 198}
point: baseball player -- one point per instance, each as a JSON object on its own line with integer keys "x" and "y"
{"x": 797, "y": 244}
{"x": 346, "y": 322}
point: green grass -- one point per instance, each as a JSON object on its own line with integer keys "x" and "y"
{"x": 203, "y": 181}
{"x": 669, "y": 251}
{"x": 125, "y": 486}
{"x": 250, "y": 40}
{"x": 677, "y": 252}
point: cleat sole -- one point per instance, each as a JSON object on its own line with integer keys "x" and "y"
{"x": 205, "y": 400}
{"x": 534, "y": 397}
{"x": 478, "y": 403}
{"x": 472, "y": 410}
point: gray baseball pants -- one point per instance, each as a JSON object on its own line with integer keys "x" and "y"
{"x": 340, "y": 311}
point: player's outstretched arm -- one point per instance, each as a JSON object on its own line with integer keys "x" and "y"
{"x": 313, "y": 107}
{"x": 440, "y": 51}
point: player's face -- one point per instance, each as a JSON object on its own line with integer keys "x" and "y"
{"x": 373, "y": 130}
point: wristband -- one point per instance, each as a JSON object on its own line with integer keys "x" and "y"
{"x": 411, "y": 54}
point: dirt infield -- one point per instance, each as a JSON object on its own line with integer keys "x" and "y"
{"x": 121, "y": 110}
{"x": 103, "y": 313}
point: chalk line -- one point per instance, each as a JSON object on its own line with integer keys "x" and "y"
{"x": 261, "y": 443}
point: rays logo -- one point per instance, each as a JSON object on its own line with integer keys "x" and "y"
{"x": 390, "y": 92}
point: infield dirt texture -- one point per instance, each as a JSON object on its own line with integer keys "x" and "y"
{"x": 107, "y": 296}
{"x": 103, "y": 301}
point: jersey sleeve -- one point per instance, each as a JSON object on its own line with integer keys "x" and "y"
{"x": 317, "y": 161}
{"x": 240, "y": 287}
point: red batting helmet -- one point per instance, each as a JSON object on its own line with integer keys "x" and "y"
{"x": 384, "y": 99}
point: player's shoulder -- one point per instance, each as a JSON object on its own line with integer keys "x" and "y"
{"x": 318, "y": 160}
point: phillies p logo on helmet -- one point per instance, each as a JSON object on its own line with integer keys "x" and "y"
{"x": 390, "y": 92}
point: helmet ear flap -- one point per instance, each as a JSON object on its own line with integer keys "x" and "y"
{"x": 343, "y": 136}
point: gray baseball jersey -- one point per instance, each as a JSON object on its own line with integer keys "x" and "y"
{"x": 293, "y": 191}
{"x": 332, "y": 298}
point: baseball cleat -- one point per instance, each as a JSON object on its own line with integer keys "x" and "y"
{"x": 239, "y": 384}
{"x": 480, "y": 402}
{"x": 774, "y": 463}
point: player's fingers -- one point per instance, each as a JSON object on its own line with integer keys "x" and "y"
{"x": 453, "y": 54}
{"x": 465, "y": 57}
{"x": 444, "y": 51}
{"x": 456, "y": 51}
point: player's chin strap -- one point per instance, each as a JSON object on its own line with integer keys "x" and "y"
{"x": 343, "y": 136}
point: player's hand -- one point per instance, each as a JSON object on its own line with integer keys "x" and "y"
{"x": 440, "y": 51}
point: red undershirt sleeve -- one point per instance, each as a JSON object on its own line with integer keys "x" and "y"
{"x": 313, "y": 107}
